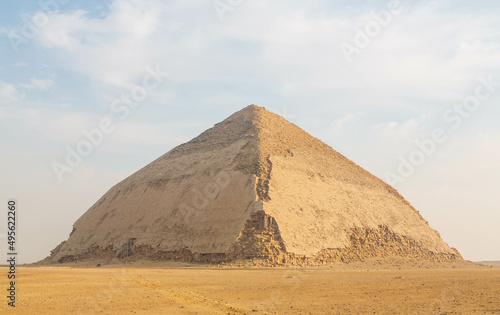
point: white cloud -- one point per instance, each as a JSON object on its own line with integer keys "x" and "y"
{"x": 4, "y": 114}
{"x": 426, "y": 52}
{"x": 114, "y": 49}
{"x": 397, "y": 130}
{"x": 339, "y": 123}
{"x": 39, "y": 84}
{"x": 145, "y": 134}
{"x": 8, "y": 93}
{"x": 57, "y": 127}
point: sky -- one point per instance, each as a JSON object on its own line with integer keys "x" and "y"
{"x": 92, "y": 91}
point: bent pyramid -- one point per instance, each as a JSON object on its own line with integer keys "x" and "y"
{"x": 253, "y": 186}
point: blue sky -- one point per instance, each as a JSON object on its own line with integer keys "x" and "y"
{"x": 416, "y": 64}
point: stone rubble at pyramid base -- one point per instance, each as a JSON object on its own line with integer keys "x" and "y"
{"x": 264, "y": 244}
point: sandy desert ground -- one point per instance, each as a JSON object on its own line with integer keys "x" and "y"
{"x": 229, "y": 290}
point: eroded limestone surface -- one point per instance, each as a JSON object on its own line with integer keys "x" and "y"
{"x": 253, "y": 186}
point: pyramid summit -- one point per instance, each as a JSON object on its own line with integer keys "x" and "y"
{"x": 253, "y": 186}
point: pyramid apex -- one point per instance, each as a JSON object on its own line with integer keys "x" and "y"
{"x": 253, "y": 108}
{"x": 247, "y": 113}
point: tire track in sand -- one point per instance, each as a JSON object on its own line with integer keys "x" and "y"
{"x": 190, "y": 302}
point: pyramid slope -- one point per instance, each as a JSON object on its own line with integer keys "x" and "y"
{"x": 318, "y": 197}
{"x": 254, "y": 185}
{"x": 188, "y": 198}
